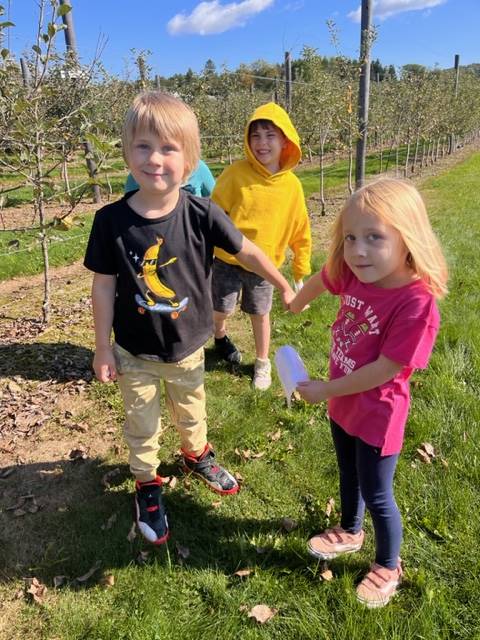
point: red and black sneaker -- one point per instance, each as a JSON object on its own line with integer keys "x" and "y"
{"x": 206, "y": 468}
{"x": 150, "y": 513}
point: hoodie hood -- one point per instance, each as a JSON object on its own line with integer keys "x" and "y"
{"x": 291, "y": 154}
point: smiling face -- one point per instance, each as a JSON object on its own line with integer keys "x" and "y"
{"x": 267, "y": 143}
{"x": 374, "y": 250}
{"x": 157, "y": 165}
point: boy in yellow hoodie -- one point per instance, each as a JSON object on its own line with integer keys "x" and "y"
{"x": 265, "y": 201}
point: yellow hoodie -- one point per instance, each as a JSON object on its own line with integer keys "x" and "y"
{"x": 269, "y": 209}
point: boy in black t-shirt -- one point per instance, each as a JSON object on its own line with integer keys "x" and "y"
{"x": 152, "y": 253}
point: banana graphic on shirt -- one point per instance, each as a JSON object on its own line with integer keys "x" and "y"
{"x": 149, "y": 273}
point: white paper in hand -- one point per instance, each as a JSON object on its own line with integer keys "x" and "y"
{"x": 290, "y": 369}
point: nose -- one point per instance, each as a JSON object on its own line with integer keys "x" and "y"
{"x": 360, "y": 248}
{"x": 155, "y": 157}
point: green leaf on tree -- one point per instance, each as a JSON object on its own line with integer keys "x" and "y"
{"x": 63, "y": 9}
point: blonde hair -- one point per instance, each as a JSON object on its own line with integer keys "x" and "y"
{"x": 167, "y": 117}
{"x": 398, "y": 204}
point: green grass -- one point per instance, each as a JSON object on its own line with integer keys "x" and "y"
{"x": 200, "y": 597}
{"x": 20, "y": 252}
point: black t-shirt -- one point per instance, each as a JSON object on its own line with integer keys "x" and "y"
{"x": 163, "y": 304}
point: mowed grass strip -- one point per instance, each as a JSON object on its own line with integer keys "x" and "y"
{"x": 287, "y": 463}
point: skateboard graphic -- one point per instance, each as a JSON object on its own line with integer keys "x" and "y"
{"x": 155, "y": 288}
{"x": 173, "y": 309}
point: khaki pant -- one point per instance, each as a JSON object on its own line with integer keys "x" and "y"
{"x": 140, "y": 381}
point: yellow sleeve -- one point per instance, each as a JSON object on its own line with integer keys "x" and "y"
{"x": 301, "y": 239}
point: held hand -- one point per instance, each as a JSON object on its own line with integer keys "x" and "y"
{"x": 313, "y": 391}
{"x": 296, "y": 306}
{"x": 104, "y": 365}
{"x": 286, "y": 297}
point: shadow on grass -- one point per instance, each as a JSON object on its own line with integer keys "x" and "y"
{"x": 59, "y": 361}
{"x": 214, "y": 363}
{"x": 61, "y": 519}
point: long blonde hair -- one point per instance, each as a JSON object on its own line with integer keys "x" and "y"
{"x": 167, "y": 117}
{"x": 397, "y": 203}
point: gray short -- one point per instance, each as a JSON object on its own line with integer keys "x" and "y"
{"x": 229, "y": 280}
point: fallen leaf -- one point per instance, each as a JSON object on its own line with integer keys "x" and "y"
{"x": 424, "y": 457}
{"x": 428, "y": 448}
{"x": 216, "y": 504}
{"x": 108, "y": 476}
{"x": 238, "y": 477}
{"x": 289, "y": 524}
{"x": 260, "y": 454}
{"x": 57, "y": 471}
{"x": 18, "y": 513}
{"x": 110, "y": 522}
{"x": 82, "y": 427}
{"x": 173, "y": 482}
{"x": 89, "y": 573}
{"x": 182, "y": 552}
{"x": 262, "y": 613}
{"x": 275, "y": 436}
{"x": 243, "y": 573}
{"x": 326, "y": 575}
{"x": 107, "y": 581}
{"x": 142, "y": 558}
{"x": 330, "y": 507}
{"x": 58, "y": 581}
{"x": 78, "y": 454}
{"x": 37, "y": 590}
{"x": 444, "y": 462}
{"x": 132, "y": 534}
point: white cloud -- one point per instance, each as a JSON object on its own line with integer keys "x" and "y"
{"x": 383, "y": 9}
{"x": 213, "y": 17}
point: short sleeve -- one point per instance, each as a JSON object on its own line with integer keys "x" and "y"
{"x": 336, "y": 287}
{"x": 226, "y": 236}
{"x": 410, "y": 338}
{"x": 100, "y": 254}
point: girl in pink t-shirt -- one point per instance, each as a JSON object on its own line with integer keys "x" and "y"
{"x": 386, "y": 265}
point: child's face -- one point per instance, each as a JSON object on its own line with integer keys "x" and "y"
{"x": 374, "y": 250}
{"x": 157, "y": 165}
{"x": 267, "y": 142}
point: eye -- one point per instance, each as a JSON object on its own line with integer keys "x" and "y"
{"x": 349, "y": 237}
{"x": 373, "y": 237}
{"x": 141, "y": 145}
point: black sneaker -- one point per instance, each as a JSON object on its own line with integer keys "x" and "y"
{"x": 150, "y": 512}
{"x": 205, "y": 467}
{"x": 227, "y": 350}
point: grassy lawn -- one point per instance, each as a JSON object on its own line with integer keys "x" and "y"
{"x": 188, "y": 588}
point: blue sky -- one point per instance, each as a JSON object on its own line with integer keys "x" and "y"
{"x": 184, "y": 34}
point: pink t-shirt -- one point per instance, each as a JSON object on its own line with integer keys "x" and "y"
{"x": 402, "y": 325}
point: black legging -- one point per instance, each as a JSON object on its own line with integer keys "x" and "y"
{"x": 366, "y": 480}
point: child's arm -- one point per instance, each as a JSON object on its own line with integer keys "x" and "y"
{"x": 103, "y": 300}
{"x": 310, "y": 290}
{"x": 255, "y": 260}
{"x": 367, "y": 377}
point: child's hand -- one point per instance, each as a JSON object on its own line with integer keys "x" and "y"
{"x": 313, "y": 391}
{"x": 104, "y": 365}
{"x": 286, "y": 297}
{"x": 296, "y": 307}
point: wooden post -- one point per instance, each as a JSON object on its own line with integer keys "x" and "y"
{"x": 363, "y": 93}
{"x": 288, "y": 82}
{"x": 71, "y": 45}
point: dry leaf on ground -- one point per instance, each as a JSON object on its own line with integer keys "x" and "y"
{"x": 36, "y": 590}
{"x": 262, "y": 613}
{"x": 107, "y": 581}
{"x": 326, "y": 575}
{"x": 243, "y": 573}
{"x": 289, "y": 524}
{"x": 108, "y": 476}
{"x": 89, "y": 574}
